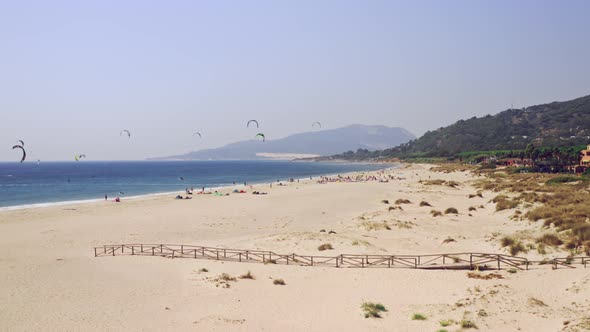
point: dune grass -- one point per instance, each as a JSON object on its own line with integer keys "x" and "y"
{"x": 418, "y": 316}
{"x": 400, "y": 201}
{"x": 325, "y": 246}
{"x": 373, "y": 310}
{"x": 451, "y": 210}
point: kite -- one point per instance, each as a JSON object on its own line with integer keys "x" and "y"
{"x": 24, "y": 152}
{"x": 127, "y": 132}
{"x": 198, "y": 133}
{"x": 316, "y": 123}
{"x": 261, "y": 135}
{"x": 252, "y": 121}
{"x": 78, "y": 157}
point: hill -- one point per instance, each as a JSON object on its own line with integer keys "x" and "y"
{"x": 317, "y": 143}
{"x": 548, "y": 125}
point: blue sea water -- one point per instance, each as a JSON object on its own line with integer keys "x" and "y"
{"x": 52, "y": 182}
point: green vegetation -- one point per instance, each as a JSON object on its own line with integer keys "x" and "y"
{"x": 371, "y": 309}
{"x": 446, "y": 322}
{"x": 504, "y": 135}
{"x": 418, "y": 317}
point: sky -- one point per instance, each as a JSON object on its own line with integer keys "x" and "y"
{"x": 73, "y": 74}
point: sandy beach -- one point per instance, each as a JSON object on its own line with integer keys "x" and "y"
{"x": 52, "y": 281}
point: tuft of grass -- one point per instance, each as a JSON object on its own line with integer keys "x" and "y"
{"x": 436, "y": 213}
{"x": 448, "y": 240}
{"x": 437, "y": 182}
{"x": 550, "y": 240}
{"x": 503, "y": 202}
{"x": 385, "y": 201}
{"x": 517, "y": 248}
{"x": 512, "y": 270}
{"x": 563, "y": 179}
{"x": 371, "y": 309}
{"x": 325, "y": 246}
{"x": 402, "y": 201}
{"x": 451, "y": 210}
{"x": 247, "y": 275}
{"x": 442, "y": 330}
{"x": 507, "y": 241}
{"x": 355, "y": 243}
{"x": 482, "y": 313}
{"x": 270, "y": 261}
{"x": 472, "y": 208}
{"x": 467, "y": 324}
{"x": 446, "y": 322}
{"x": 536, "y": 302}
{"x": 279, "y": 282}
{"x": 424, "y": 203}
{"x": 418, "y": 316}
{"x": 204, "y": 270}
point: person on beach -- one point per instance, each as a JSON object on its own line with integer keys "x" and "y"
{"x": 106, "y": 197}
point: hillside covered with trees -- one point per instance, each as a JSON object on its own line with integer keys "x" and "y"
{"x": 557, "y": 124}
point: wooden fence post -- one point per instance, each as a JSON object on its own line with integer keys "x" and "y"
{"x": 498, "y": 262}
{"x": 95, "y": 252}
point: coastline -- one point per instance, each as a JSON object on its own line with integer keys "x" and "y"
{"x": 53, "y": 278}
{"x": 221, "y": 187}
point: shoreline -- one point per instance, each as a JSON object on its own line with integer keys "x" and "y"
{"x": 159, "y": 194}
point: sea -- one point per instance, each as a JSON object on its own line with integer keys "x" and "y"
{"x": 51, "y": 183}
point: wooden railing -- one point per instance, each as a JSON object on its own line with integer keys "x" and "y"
{"x": 481, "y": 261}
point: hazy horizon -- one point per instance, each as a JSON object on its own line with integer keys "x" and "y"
{"x": 74, "y": 74}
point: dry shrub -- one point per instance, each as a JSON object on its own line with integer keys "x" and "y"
{"x": 325, "y": 246}
{"x": 504, "y": 203}
{"x": 375, "y": 225}
{"x": 472, "y": 208}
{"x": 385, "y": 201}
{"x": 507, "y": 241}
{"x": 449, "y": 240}
{"x": 371, "y": 309}
{"x": 550, "y": 240}
{"x": 517, "y": 248}
{"x": 247, "y": 275}
{"x": 437, "y": 182}
{"x": 402, "y": 201}
{"x": 451, "y": 210}
{"x": 395, "y": 208}
{"x": 279, "y": 282}
{"x": 453, "y": 184}
{"x": 436, "y": 213}
{"x": 452, "y": 167}
{"x": 476, "y": 275}
{"x": 536, "y": 302}
{"x": 424, "y": 203}
{"x": 223, "y": 280}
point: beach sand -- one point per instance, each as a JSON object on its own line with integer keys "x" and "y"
{"x": 52, "y": 281}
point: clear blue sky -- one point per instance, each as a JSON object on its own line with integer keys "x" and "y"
{"x": 75, "y": 73}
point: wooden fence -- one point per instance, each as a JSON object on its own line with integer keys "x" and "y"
{"x": 471, "y": 261}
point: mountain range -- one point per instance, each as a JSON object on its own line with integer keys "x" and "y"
{"x": 308, "y": 144}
